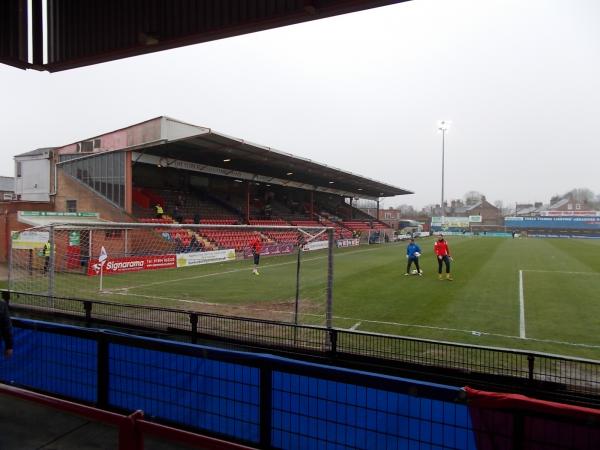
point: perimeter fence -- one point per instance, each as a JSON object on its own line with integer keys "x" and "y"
{"x": 572, "y": 377}
{"x": 273, "y": 402}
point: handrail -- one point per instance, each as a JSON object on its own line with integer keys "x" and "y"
{"x": 132, "y": 427}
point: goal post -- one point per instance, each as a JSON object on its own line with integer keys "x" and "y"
{"x": 203, "y": 267}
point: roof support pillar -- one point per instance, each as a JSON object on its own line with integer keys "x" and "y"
{"x": 377, "y": 209}
{"x": 128, "y": 184}
{"x": 248, "y": 202}
{"x": 37, "y": 36}
{"x": 312, "y": 205}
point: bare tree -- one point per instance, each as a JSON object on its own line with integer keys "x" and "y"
{"x": 473, "y": 197}
{"x": 407, "y": 210}
{"x": 429, "y": 210}
{"x": 581, "y": 195}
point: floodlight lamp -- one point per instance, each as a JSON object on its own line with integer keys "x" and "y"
{"x": 444, "y": 125}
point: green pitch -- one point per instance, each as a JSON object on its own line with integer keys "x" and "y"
{"x": 537, "y": 294}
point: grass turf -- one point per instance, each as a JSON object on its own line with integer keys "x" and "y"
{"x": 561, "y": 282}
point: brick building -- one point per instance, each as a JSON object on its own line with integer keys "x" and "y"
{"x": 491, "y": 216}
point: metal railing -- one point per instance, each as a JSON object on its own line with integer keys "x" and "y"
{"x": 273, "y": 402}
{"x": 573, "y": 377}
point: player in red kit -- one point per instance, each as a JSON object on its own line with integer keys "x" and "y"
{"x": 442, "y": 252}
{"x": 256, "y": 247}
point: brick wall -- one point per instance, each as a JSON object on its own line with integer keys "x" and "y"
{"x": 87, "y": 199}
{"x": 9, "y": 221}
{"x": 490, "y": 215}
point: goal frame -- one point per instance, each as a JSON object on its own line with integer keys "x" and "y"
{"x": 306, "y": 235}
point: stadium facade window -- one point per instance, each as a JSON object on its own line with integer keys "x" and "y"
{"x": 104, "y": 173}
{"x": 71, "y": 205}
{"x": 113, "y": 234}
{"x": 19, "y": 168}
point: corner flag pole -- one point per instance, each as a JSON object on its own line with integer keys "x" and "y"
{"x": 101, "y": 260}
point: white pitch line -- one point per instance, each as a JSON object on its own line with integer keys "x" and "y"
{"x": 379, "y": 322}
{"x": 521, "y": 307}
{"x": 355, "y": 326}
{"x": 154, "y": 297}
{"x": 213, "y": 274}
{"x": 561, "y": 271}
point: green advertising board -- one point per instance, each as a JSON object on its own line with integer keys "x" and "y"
{"x": 74, "y": 238}
{"x": 57, "y": 214}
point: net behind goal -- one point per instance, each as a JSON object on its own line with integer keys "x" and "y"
{"x": 208, "y": 268}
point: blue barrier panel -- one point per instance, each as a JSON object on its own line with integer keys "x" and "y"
{"x": 218, "y": 396}
{"x": 52, "y": 362}
{"x": 313, "y": 413}
{"x": 554, "y": 223}
{"x": 270, "y": 401}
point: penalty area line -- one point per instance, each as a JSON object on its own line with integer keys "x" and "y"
{"x": 475, "y": 333}
{"x": 226, "y": 272}
{"x": 561, "y": 271}
{"x": 521, "y": 307}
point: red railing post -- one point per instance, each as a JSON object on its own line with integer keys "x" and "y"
{"x": 130, "y": 437}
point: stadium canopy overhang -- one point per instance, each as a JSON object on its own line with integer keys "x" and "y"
{"x": 218, "y": 154}
{"x": 169, "y": 143}
{"x": 64, "y": 34}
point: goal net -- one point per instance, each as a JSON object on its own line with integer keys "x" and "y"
{"x": 204, "y": 268}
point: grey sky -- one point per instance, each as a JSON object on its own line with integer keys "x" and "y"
{"x": 520, "y": 81}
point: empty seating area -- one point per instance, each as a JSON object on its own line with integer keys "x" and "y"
{"x": 226, "y": 207}
{"x": 238, "y": 240}
{"x": 380, "y": 226}
{"x": 339, "y": 231}
{"x": 155, "y": 220}
{"x": 282, "y": 237}
{"x": 189, "y": 205}
{"x": 356, "y": 225}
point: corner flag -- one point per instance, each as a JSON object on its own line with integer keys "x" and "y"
{"x": 103, "y": 255}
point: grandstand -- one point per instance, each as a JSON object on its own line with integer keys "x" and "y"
{"x": 197, "y": 175}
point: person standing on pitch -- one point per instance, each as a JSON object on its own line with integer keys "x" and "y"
{"x": 442, "y": 251}
{"x": 256, "y": 247}
{"x": 413, "y": 251}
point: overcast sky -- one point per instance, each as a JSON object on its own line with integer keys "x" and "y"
{"x": 520, "y": 81}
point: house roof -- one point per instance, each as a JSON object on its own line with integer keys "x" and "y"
{"x": 558, "y": 204}
{"x": 528, "y": 210}
{"x": 464, "y": 209}
{"x": 36, "y": 152}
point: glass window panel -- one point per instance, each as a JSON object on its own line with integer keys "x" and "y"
{"x": 103, "y": 175}
{"x": 96, "y": 174}
{"x": 122, "y": 194}
{"x": 109, "y": 188}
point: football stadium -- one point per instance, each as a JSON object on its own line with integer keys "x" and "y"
{"x": 175, "y": 284}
